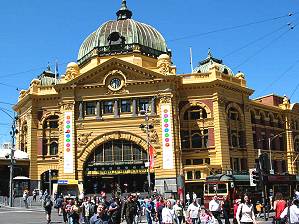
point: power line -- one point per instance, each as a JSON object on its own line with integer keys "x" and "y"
{"x": 1, "y": 102}
{"x": 263, "y": 48}
{"x": 233, "y": 27}
{"x": 280, "y": 76}
{"x": 254, "y": 41}
{"x": 294, "y": 91}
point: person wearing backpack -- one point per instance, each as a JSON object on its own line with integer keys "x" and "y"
{"x": 48, "y": 207}
{"x": 291, "y": 213}
{"x": 245, "y": 212}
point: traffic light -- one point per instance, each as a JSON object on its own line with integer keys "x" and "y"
{"x": 255, "y": 176}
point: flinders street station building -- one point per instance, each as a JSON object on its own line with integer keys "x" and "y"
{"x": 122, "y": 110}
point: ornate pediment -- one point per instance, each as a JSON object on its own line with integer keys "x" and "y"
{"x": 103, "y": 73}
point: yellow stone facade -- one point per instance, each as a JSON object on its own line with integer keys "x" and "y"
{"x": 216, "y": 127}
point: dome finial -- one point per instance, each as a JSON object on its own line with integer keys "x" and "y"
{"x": 124, "y": 13}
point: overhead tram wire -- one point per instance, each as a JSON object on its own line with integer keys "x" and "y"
{"x": 279, "y": 77}
{"x": 233, "y": 27}
{"x": 254, "y": 41}
{"x": 294, "y": 91}
{"x": 264, "y": 47}
{"x": 26, "y": 71}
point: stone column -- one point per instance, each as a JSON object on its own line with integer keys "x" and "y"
{"x": 99, "y": 111}
{"x": 116, "y": 113}
{"x": 251, "y": 156}
{"x": 80, "y": 110}
{"x": 290, "y": 153}
{"x": 153, "y": 106}
{"x": 134, "y": 112}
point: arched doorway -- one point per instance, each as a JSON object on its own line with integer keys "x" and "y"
{"x": 48, "y": 178}
{"x": 116, "y": 166}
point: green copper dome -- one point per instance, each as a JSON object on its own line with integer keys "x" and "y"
{"x": 122, "y": 36}
{"x": 205, "y": 65}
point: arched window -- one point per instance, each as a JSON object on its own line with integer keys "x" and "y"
{"x": 53, "y": 148}
{"x": 194, "y": 113}
{"x": 271, "y": 120}
{"x": 50, "y": 136}
{"x": 235, "y": 140}
{"x": 233, "y": 114}
{"x": 118, "y": 151}
{"x": 23, "y": 137}
{"x": 262, "y": 119}
{"x": 279, "y": 122}
{"x": 252, "y": 115}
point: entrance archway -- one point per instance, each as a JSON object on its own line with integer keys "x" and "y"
{"x": 47, "y": 179}
{"x": 116, "y": 166}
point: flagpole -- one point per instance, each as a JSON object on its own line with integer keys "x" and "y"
{"x": 191, "y": 59}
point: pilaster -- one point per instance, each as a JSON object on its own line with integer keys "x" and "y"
{"x": 222, "y": 156}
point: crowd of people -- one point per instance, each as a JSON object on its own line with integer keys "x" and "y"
{"x": 156, "y": 209}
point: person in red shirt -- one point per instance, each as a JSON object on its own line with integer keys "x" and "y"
{"x": 278, "y": 206}
{"x": 236, "y": 205}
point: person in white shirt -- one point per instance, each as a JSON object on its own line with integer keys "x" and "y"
{"x": 293, "y": 214}
{"x": 193, "y": 211}
{"x": 188, "y": 198}
{"x": 194, "y": 195}
{"x": 168, "y": 215}
{"x": 246, "y": 210}
{"x": 215, "y": 208}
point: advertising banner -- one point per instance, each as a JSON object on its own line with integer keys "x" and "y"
{"x": 68, "y": 142}
{"x": 167, "y": 137}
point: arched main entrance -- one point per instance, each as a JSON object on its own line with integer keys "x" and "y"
{"x": 116, "y": 166}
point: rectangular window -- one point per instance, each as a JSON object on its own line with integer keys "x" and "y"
{"x": 189, "y": 175}
{"x": 197, "y": 175}
{"x": 90, "y": 108}
{"x": 108, "y": 152}
{"x": 125, "y": 106}
{"x": 197, "y": 161}
{"x": 188, "y": 161}
{"x": 127, "y": 151}
{"x": 281, "y": 143}
{"x": 207, "y": 160}
{"x": 108, "y": 107}
{"x": 264, "y": 141}
{"x": 244, "y": 166}
{"x": 206, "y": 138}
{"x": 117, "y": 150}
{"x": 185, "y": 141}
{"x": 143, "y": 104}
{"x": 236, "y": 164}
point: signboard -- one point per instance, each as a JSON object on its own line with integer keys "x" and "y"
{"x": 67, "y": 182}
{"x": 116, "y": 172}
{"x": 167, "y": 138}
{"x": 251, "y": 177}
{"x": 68, "y": 142}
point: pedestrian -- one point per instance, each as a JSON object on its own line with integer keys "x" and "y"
{"x": 168, "y": 215}
{"x": 25, "y": 198}
{"x": 58, "y": 204}
{"x": 115, "y": 211}
{"x": 205, "y": 217}
{"x": 74, "y": 214}
{"x": 34, "y": 194}
{"x": 130, "y": 209}
{"x": 278, "y": 206}
{"x": 149, "y": 206}
{"x": 259, "y": 208}
{"x": 194, "y": 196}
{"x": 100, "y": 217}
{"x": 236, "y": 205}
{"x": 88, "y": 209}
{"x": 215, "y": 208}
{"x": 291, "y": 213}
{"x": 159, "y": 210}
{"x": 193, "y": 212}
{"x": 226, "y": 209}
{"x": 48, "y": 204}
{"x": 188, "y": 199}
{"x": 245, "y": 212}
{"x": 179, "y": 212}
{"x": 64, "y": 212}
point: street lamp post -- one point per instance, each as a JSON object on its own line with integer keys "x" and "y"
{"x": 13, "y": 133}
{"x": 148, "y": 146}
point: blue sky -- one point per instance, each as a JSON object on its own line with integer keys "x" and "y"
{"x": 35, "y": 32}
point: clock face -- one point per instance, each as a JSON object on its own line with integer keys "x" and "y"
{"x": 115, "y": 83}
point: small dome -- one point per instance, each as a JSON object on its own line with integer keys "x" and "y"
{"x": 121, "y": 36}
{"x": 164, "y": 56}
{"x": 240, "y": 75}
{"x": 205, "y": 65}
{"x": 72, "y": 64}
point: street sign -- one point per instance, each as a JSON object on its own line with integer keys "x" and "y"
{"x": 251, "y": 173}
{"x": 62, "y": 181}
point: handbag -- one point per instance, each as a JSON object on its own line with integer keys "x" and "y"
{"x": 286, "y": 218}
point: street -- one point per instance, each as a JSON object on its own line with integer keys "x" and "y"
{"x": 36, "y": 215}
